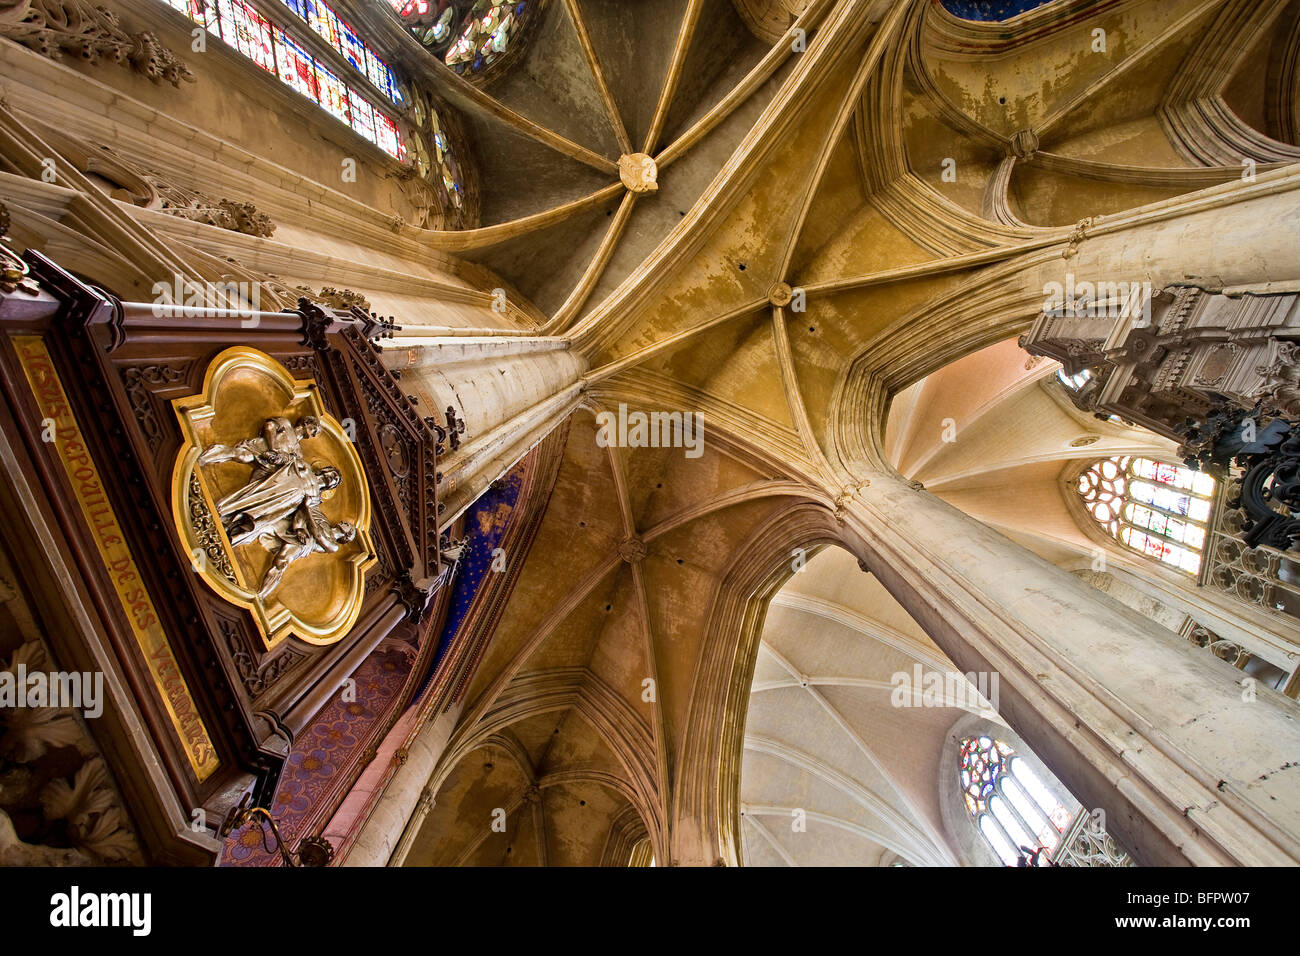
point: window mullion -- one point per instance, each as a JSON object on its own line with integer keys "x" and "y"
{"x": 1015, "y": 811}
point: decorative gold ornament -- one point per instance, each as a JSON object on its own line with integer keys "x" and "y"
{"x": 270, "y": 499}
{"x": 110, "y": 540}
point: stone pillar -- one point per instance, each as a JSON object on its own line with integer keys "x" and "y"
{"x": 509, "y": 390}
{"x": 398, "y": 814}
{"x": 1131, "y": 718}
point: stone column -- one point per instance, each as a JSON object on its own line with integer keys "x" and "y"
{"x": 1131, "y": 718}
{"x": 395, "y": 820}
{"x": 509, "y": 390}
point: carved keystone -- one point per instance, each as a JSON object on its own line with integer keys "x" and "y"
{"x": 1024, "y": 144}
{"x": 631, "y": 550}
{"x": 780, "y": 294}
{"x": 638, "y": 173}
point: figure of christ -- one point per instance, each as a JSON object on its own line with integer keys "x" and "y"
{"x": 272, "y": 493}
{"x": 305, "y": 531}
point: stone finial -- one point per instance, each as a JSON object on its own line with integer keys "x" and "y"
{"x": 638, "y": 172}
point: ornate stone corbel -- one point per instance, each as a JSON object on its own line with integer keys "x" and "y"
{"x": 1080, "y": 233}
{"x": 413, "y": 595}
{"x": 241, "y": 217}
{"x": 451, "y": 433}
{"x": 452, "y": 549}
{"x": 1283, "y": 375}
{"x": 54, "y": 28}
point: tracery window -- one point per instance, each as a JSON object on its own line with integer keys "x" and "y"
{"x": 1014, "y": 811}
{"x": 1153, "y": 507}
{"x": 470, "y": 35}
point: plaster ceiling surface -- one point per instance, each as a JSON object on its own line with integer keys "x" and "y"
{"x": 821, "y": 168}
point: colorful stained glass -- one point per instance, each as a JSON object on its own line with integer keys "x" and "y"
{"x": 201, "y": 12}
{"x": 981, "y": 763}
{"x": 295, "y": 67}
{"x": 252, "y": 33}
{"x": 274, "y": 50}
{"x": 353, "y": 50}
{"x": 321, "y": 18}
{"x": 486, "y": 32}
{"x": 1014, "y": 810}
{"x": 333, "y": 94}
{"x": 363, "y": 116}
{"x": 1156, "y": 508}
{"x": 387, "y": 137}
{"x": 226, "y": 18}
{"x": 484, "y": 35}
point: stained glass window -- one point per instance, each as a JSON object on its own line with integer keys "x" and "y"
{"x": 322, "y": 19}
{"x": 354, "y": 51}
{"x": 1012, "y": 808}
{"x": 485, "y": 34}
{"x": 253, "y": 34}
{"x": 276, "y": 51}
{"x": 339, "y": 34}
{"x": 333, "y": 94}
{"x": 1155, "y": 508}
{"x": 470, "y": 35}
{"x": 296, "y": 67}
{"x": 387, "y": 136}
{"x": 363, "y": 118}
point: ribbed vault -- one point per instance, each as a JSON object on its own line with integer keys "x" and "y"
{"x": 804, "y": 264}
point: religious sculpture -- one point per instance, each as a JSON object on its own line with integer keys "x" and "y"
{"x": 304, "y": 532}
{"x": 279, "y": 506}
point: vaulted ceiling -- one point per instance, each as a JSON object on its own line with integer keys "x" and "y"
{"x": 820, "y": 170}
